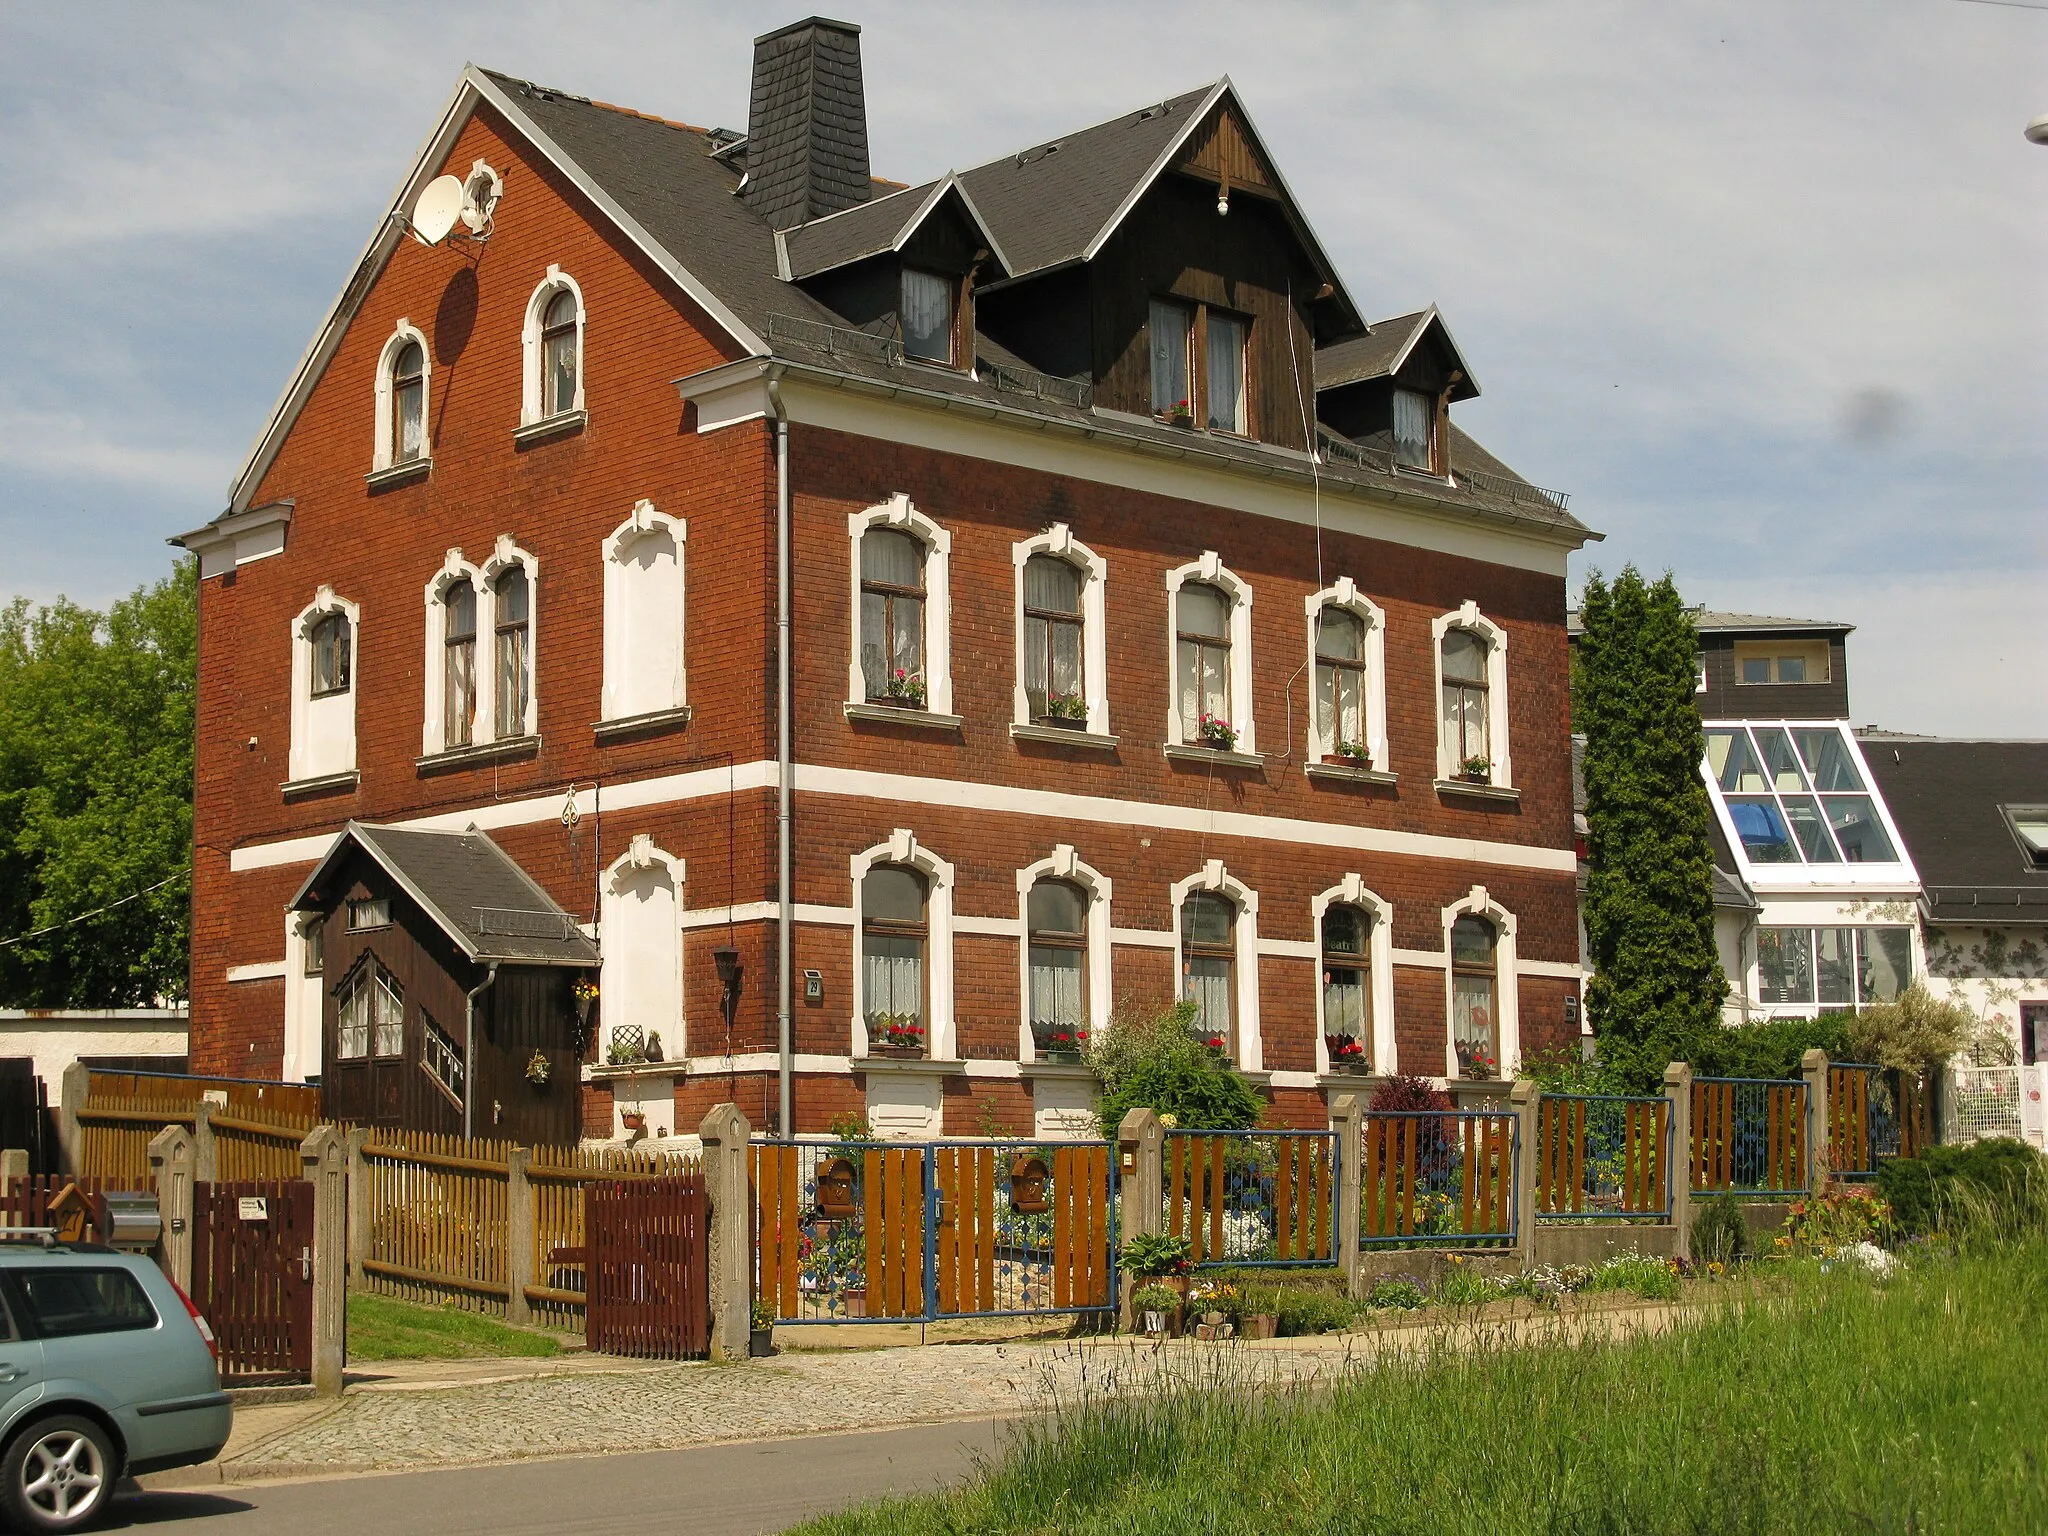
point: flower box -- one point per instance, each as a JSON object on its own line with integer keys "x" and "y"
{"x": 1060, "y": 1055}
{"x": 884, "y": 1048}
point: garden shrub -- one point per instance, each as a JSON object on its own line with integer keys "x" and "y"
{"x": 1152, "y": 1061}
{"x": 1408, "y": 1093}
{"x": 1772, "y": 1047}
{"x": 1719, "y": 1234}
{"x": 1838, "y": 1217}
{"x": 1303, "y": 1313}
{"x": 1915, "y": 1187}
{"x": 1395, "y": 1293}
{"x": 1154, "y": 1253}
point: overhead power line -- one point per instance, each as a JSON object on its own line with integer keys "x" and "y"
{"x": 37, "y": 933}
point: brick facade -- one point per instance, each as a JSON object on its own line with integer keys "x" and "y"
{"x": 977, "y": 799}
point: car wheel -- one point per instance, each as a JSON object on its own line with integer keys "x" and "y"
{"x": 57, "y": 1474}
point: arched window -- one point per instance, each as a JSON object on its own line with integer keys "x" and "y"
{"x": 1347, "y": 989}
{"x": 892, "y": 610}
{"x": 513, "y": 672}
{"x": 408, "y": 403}
{"x": 1058, "y": 916}
{"x": 1341, "y": 683}
{"x": 1054, "y": 670}
{"x": 561, "y": 354}
{"x": 1209, "y": 967}
{"x": 1201, "y": 617}
{"x": 894, "y": 937}
{"x": 331, "y": 648}
{"x": 458, "y": 664}
{"x": 1467, "y": 712}
{"x": 371, "y": 1015}
{"x": 1475, "y": 997}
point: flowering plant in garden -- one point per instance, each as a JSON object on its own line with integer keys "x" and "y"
{"x": 1067, "y": 706}
{"x": 906, "y": 688}
{"x": 1839, "y": 1216}
{"x": 1216, "y": 731}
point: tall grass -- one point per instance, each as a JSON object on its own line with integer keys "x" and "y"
{"x": 1836, "y": 1404}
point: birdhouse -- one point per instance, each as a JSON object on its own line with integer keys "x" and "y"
{"x": 835, "y": 1189}
{"x": 1028, "y": 1177}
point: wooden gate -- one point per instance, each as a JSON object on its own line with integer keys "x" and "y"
{"x": 648, "y": 1267}
{"x": 252, "y": 1274}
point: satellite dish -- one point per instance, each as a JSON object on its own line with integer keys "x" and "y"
{"x": 437, "y": 209}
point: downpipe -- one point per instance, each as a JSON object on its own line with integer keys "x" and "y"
{"x": 785, "y": 774}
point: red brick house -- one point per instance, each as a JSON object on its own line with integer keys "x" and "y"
{"x": 887, "y": 628}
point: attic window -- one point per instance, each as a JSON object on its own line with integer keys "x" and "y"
{"x": 2029, "y": 824}
{"x": 1415, "y": 430}
{"x": 374, "y": 913}
{"x": 927, "y": 316}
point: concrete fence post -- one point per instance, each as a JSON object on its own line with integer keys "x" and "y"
{"x": 1813, "y": 1066}
{"x": 725, "y": 1133}
{"x": 358, "y": 1205}
{"x": 518, "y": 1236}
{"x": 76, "y": 1084}
{"x": 1523, "y": 1099}
{"x": 170, "y": 1165}
{"x": 1347, "y": 1119}
{"x": 324, "y": 1155}
{"x": 1678, "y": 1167}
{"x": 205, "y": 1165}
{"x": 1141, "y": 1173}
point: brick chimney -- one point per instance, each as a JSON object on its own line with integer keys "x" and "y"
{"x": 807, "y": 126}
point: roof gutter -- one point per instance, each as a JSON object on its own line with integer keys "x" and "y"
{"x": 785, "y": 776}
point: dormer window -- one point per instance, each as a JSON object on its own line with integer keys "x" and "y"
{"x": 1415, "y": 430}
{"x": 1172, "y": 324}
{"x": 1215, "y": 394}
{"x": 927, "y": 316}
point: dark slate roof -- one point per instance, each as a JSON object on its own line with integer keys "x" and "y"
{"x": 471, "y": 889}
{"x": 1380, "y": 351}
{"x": 1708, "y": 621}
{"x": 1944, "y": 797}
{"x": 885, "y": 224}
{"x": 663, "y": 177}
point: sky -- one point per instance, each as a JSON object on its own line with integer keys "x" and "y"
{"x": 1760, "y": 286}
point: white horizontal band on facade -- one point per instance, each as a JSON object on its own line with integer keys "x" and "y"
{"x": 1141, "y": 938}
{"x": 262, "y": 970}
{"x": 764, "y": 912}
{"x": 991, "y": 927}
{"x": 949, "y": 794}
{"x": 1567, "y": 971}
{"x": 1287, "y": 949}
{"x": 1294, "y": 1080}
{"x": 1433, "y": 959}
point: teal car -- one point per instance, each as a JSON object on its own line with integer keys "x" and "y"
{"x": 106, "y": 1370}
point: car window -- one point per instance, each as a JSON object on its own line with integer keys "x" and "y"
{"x": 67, "y": 1301}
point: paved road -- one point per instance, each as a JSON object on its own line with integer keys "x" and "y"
{"x": 716, "y": 1490}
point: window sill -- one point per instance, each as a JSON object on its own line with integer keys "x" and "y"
{"x": 1058, "y": 736}
{"x": 601, "y": 1072}
{"x": 1351, "y": 773}
{"x": 398, "y": 474}
{"x": 1501, "y": 794}
{"x": 320, "y": 784}
{"x": 1215, "y": 757}
{"x": 1072, "y": 1070}
{"x": 890, "y": 714}
{"x": 559, "y": 425}
{"x": 925, "y": 1066}
{"x": 511, "y": 749}
{"x": 655, "y": 722}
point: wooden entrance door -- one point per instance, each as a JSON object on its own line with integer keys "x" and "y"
{"x": 252, "y": 1274}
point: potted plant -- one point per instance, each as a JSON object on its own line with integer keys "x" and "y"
{"x": 1347, "y": 1054}
{"x": 1181, "y": 413}
{"x": 1157, "y": 1309}
{"x": 538, "y": 1069}
{"x": 584, "y": 995}
{"x": 1057, "y": 1042}
{"x": 1157, "y": 1261}
{"x": 1215, "y": 1045}
{"x": 1476, "y": 770}
{"x": 1216, "y": 732}
{"x": 1354, "y": 753}
{"x": 761, "y": 1333}
{"x": 1067, "y": 710}
{"x": 1476, "y": 1061}
{"x": 627, "y": 1046}
{"x": 906, "y": 688}
{"x": 634, "y": 1120}
{"x": 895, "y": 1034}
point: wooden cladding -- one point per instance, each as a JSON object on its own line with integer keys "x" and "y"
{"x": 1603, "y": 1155}
{"x": 1221, "y": 149}
{"x": 1446, "y": 1176}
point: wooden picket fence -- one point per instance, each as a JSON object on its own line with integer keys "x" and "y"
{"x": 1602, "y": 1154}
{"x": 1253, "y": 1197}
{"x": 1748, "y": 1135}
{"x": 257, "y": 1127}
{"x": 1438, "y": 1178}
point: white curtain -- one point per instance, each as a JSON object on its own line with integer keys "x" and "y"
{"x": 894, "y": 977}
{"x": 1412, "y": 413}
{"x": 1226, "y": 374}
{"x": 1056, "y": 988}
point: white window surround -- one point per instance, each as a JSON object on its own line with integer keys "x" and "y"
{"x": 404, "y": 331}
{"x": 903, "y": 848}
{"x": 454, "y": 568}
{"x": 1063, "y": 865}
{"x": 1344, "y": 593}
{"x": 304, "y": 999}
{"x": 1059, "y": 541}
{"x": 1211, "y": 569}
{"x": 1351, "y": 891}
{"x": 1468, "y": 617}
{"x": 624, "y": 624}
{"x": 1506, "y": 984}
{"x": 1245, "y": 939}
{"x": 662, "y": 979}
{"x": 530, "y": 395}
{"x": 900, "y": 514}
{"x": 323, "y": 730}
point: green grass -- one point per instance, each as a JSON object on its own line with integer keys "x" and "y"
{"x": 1831, "y": 1404}
{"x": 380, "y": 1328}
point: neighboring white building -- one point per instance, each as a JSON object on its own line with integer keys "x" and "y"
{"x": 37, "y": 1044}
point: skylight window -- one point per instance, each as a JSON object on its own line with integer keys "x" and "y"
{"x": 2029, "y": 824}
{"x": 1796, "y": 795}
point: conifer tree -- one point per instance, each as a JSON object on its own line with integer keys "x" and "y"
{"x": 1657, "y": 983}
